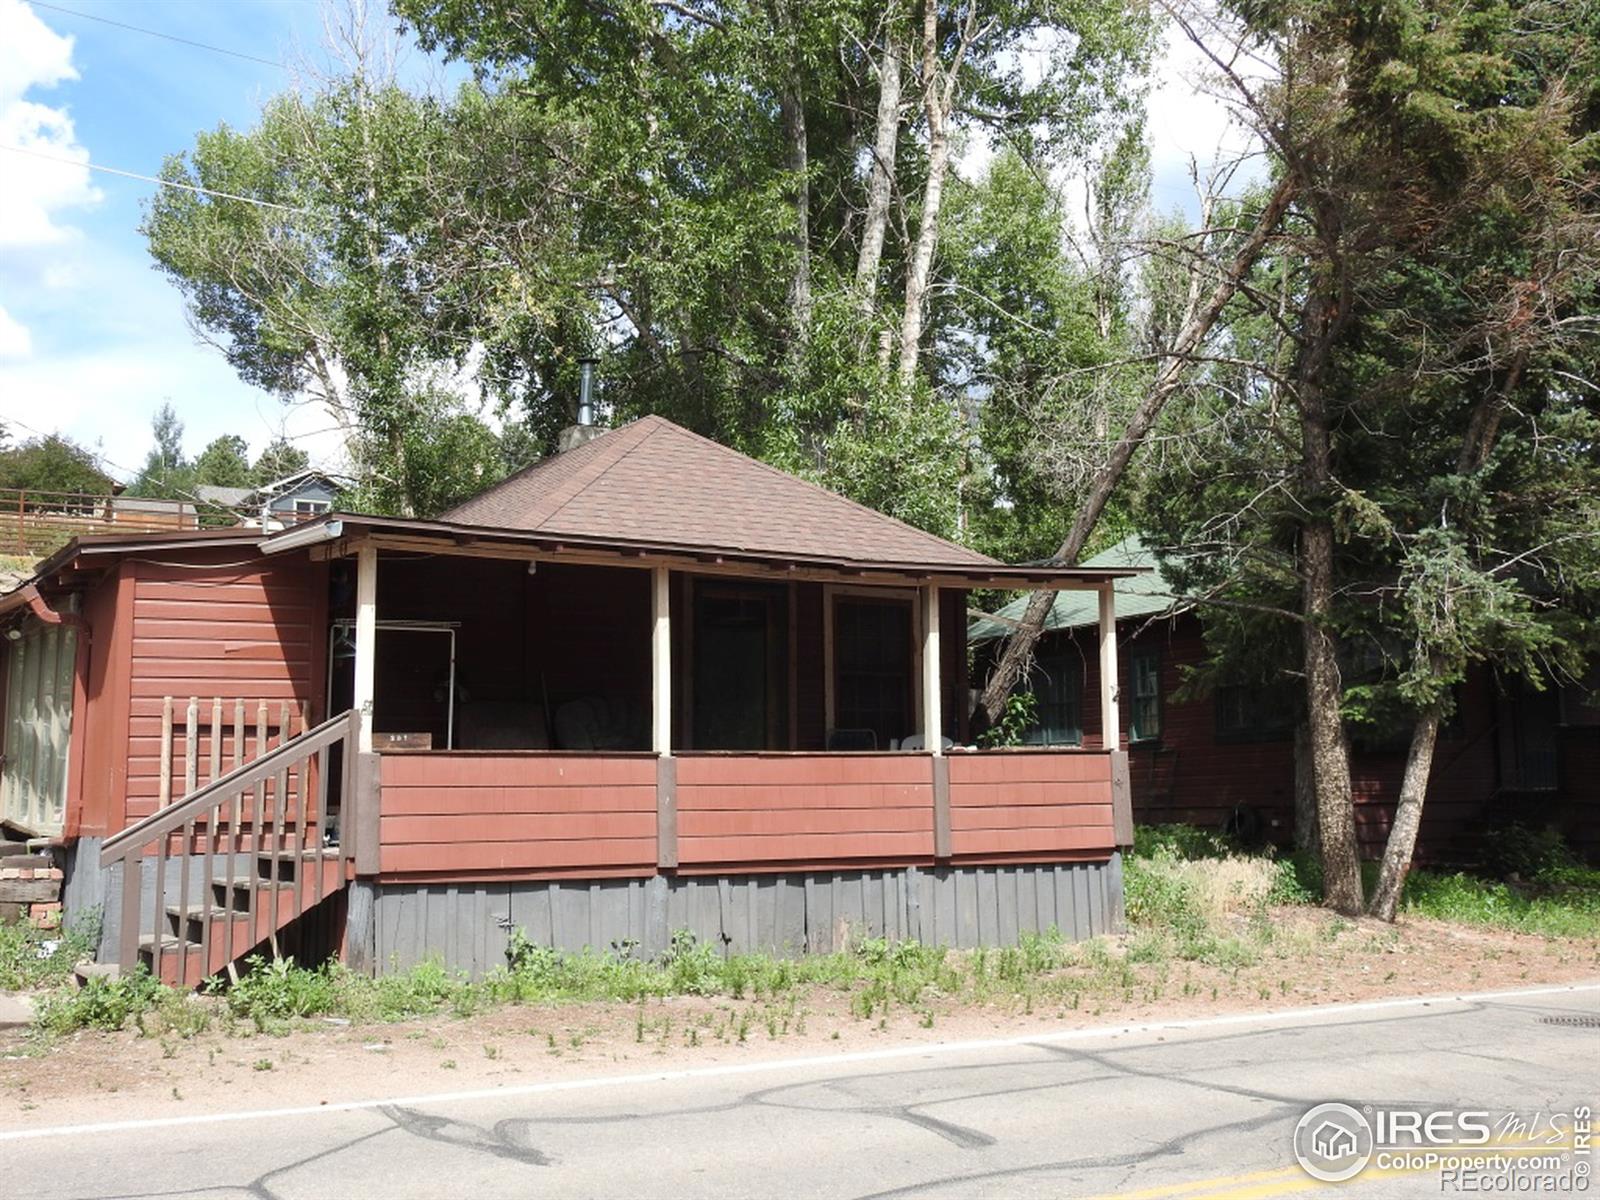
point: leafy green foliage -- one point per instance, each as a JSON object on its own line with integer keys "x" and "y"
{"x": 54, "y": 463}
{"x": 1022, "y": 709}
{"x": 31, "y": 957}
{"x": 102, "y": 1003}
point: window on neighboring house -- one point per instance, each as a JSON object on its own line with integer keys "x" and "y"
{"x": 1056, "y": 682}
{"x": 1254, "y": 712}
{"x": 1529, "y": 752}
{"x": 1144, "y": 695}
{"x": 311, "y": 507}
{"x": 872, "y": 667}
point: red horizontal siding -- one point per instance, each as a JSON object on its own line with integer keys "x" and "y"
{"x": 462, "y": 813}
{"x": 206, "y": 625}
{"x": 761, "y": 812}
{"x": 1030, "y": 805}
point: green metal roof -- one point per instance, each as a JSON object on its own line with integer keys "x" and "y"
{"x": 1144, "y": 595}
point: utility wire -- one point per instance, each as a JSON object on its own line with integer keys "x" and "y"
{"x": 171, "y": 183}
{"x": 171, "y": 37}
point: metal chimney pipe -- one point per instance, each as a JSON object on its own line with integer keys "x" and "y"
{"x": 586, "y": 391}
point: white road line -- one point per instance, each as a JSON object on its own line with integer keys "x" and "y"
{"x": 919, "y": 1049}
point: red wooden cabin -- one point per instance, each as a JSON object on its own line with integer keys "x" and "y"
{"x": 643, "y": 686}
{"x": 1224, "y": 758}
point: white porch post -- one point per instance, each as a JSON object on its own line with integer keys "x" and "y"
{"x": 932, "y": 719}
{"x": 1110, "y": 716}
{"x": 366, "y": 661}
{"x": 661, "y": 661}
{"x": 661, "y": 717}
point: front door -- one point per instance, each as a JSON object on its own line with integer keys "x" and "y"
{"x": 740, "y": 662}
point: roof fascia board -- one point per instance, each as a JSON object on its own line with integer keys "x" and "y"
{"x": 544, "y": 548}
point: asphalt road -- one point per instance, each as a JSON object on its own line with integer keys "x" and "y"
{"x": 1204, "y": 1110}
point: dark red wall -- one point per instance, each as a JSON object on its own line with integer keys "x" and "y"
{"x": 1192, "y": 776}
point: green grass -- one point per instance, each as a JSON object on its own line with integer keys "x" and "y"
{"x": 1544, "y": 891}
{"x": 879, "y": 977}
{"x": 1558, "y": 904}
{"x": 32, "y": 958}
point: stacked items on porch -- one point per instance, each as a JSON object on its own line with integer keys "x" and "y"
{"x": 30, "y": 881}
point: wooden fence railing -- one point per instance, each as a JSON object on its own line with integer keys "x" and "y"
{"x": 203, "y": 735}
{"x": 38, "y": 522}
{"x": 262, "y": 823}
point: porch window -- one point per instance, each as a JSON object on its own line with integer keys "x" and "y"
{"x": 872, "y": 667}
{"x": 1144, "y": 709}
{"x": 1056, "y": 682}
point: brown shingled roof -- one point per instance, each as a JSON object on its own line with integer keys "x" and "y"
{"x": 655, "y": 481}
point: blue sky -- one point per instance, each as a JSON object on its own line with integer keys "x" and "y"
{"x": 92, "y": 339}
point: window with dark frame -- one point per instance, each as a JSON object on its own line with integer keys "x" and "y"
{"x": 873, "y": 668}
{"x": 1144, "y": 694}
{"x": 1056, "y": 683}
{"x": 1254, "y": 712}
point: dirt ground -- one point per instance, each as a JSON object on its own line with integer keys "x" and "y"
{"x": 1314, "y": 958}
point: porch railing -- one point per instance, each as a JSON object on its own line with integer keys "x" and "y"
{"x": 263, "y": 823}
{"x": 189, "y": 736}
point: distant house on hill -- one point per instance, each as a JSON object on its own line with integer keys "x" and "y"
{"x": 278, "y": 504}
{"x": 1225, "y": 759}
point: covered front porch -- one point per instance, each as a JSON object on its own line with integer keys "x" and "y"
{"x": 545, "y": 713}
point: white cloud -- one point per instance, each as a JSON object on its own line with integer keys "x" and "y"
{"x": 1190, "y": 126}
{"x": 15, "y": 340}
{"x": 36, "y": 189}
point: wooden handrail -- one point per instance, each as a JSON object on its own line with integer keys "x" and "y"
{"x": 265, "y": 810}
{"x": 178, "y": 814}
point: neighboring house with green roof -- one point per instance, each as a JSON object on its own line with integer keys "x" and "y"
{"x": 1225, "y": 758}
{"x": 1144, "y": 595}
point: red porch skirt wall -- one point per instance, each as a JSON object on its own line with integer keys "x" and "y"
{"x": 527, "y": 814}
{"x": 1034, "y": 806}
{"x": 798, "y": 811}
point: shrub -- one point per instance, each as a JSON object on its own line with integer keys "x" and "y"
{"x": 31, "y": 957}
{"x": 1182, "y": 841}
{"x": 1517, "y": 851}
{"x": 102, "y": 1003}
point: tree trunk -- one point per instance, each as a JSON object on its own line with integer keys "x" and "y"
{"x": 936, "y": 101}
{"x": 1407, "y": 819}
{"x": 1330, "y": 753}
{"x": 880, "y": 180}
{"x": 1483, "y": 427}
{"x": 1305, "y": 790}
{"x": 799, "y": 163}
{"x": 1019, "y": 646}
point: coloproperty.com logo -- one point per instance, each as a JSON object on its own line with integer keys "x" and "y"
{"x": 1468, "y": 1150}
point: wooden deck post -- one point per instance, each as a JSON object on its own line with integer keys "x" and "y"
{"x": 661, "y": 716}
{"x": 1110, "y": 716}
{"x": 366, "y": 642}
{"x": 1111, "y": 721}
{"x": 933, "y": 721}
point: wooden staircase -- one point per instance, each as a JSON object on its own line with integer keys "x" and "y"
{"x": 221, "y": 873}
{"x": 198, "y": 943}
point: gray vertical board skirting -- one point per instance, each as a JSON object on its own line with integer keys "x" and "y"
{"x": 468, "y": 926}
{"x": 360, "y": 928}
{"x": 86, "y": 887}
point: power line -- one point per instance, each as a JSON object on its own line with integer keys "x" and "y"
{"x": 171, "y": 183}
{"x": 171, "y": 37}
